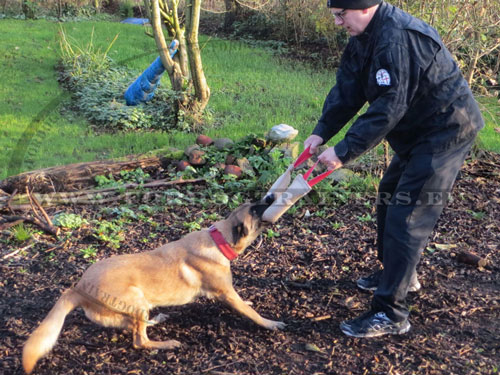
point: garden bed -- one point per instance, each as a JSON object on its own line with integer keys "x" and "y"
{"x": 302, "y": 271}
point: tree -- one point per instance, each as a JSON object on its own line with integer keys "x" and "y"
{"x": 28, "y": 9}
{"x": 185, "y": 70}
{"x": 233, "y": 10}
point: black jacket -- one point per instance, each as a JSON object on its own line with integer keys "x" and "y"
{"x": 418, "y": 99}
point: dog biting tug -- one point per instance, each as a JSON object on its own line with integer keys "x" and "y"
{"x": 121, "y": 290}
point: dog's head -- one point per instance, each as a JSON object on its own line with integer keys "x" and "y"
{"x": 246, "y": 222}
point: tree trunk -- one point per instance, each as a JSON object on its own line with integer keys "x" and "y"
{"x": 74, "y": 177}
{"x": 173, "y": 68}
{"x": 28, "y": 10}
{"x": 231, "y": 15}
{"x": 147, "y": 8}
{"x": 186, "y": 67}
{"x": 202, "y": 91}
{"x": 182, "y": 55}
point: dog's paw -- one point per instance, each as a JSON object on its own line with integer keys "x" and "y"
{"x": 274, "y": 325}
{"x": 171, "y": 344}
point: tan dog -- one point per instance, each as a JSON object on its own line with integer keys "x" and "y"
{"x": 120, "y": 291}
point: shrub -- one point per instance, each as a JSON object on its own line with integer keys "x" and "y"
{"x": 69, "y": 221}
{"x": 98, "y": 84}
{"x": 469, "y": 29}
{"x": 126, "y": 9}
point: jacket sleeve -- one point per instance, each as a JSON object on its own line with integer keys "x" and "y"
{"x": 343, "y": 101}
{"x": 391, "y": 86}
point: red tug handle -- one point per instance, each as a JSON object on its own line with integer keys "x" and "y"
{"x": 306, "y": 154}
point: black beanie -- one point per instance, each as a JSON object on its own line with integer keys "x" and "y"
{"x": 352, "y": 4}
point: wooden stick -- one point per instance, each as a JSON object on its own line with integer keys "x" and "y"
{"x": 11, "y": 254}
{"x": 32, "y": 204}
{"x": 10, "y": 225}
{"x": 44, "y": 213}
{"x": 33, "y": 220}
{"x": 10, "y": 201}
{"x": 472, "y": 259}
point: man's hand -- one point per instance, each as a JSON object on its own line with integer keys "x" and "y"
{"x": 330, "y": 159}
{"x": 313, "y": 141}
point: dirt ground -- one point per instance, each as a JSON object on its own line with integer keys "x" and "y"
{"x": 305, "y": 277}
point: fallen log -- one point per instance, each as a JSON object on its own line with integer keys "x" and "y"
{"x": 82, "y": 197}
{"x": 74, "y": 177}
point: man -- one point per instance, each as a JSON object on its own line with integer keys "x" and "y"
{"x": 421, "y": 104}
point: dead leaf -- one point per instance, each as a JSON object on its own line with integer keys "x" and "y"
{"x": 351, "y": 304}
{"x": 313, "y": 348}
{"x": 441, "y": 246}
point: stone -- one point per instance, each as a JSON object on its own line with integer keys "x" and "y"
{"x": 220, "y": 165}
{"x": 290, "y": 150}
{"x": 282, "y": 133}
{"x": 204, "y": 140}
{"x": 182, "y": 165}
{"x": 233, "y": 169}
{"x": 222, "y": 143}
{"x": 245, "y": 166}
{"x": 197, "y": 157}
{"x": 190, "y": 149}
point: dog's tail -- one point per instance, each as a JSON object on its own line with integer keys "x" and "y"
{"x": 45, "y": 336}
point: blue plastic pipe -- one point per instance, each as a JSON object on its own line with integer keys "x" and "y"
{"x": 143, "y": 88}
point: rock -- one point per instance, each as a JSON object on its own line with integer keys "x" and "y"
{"x": 182, "y": 165}
{"x": 233, "y": 169}
{"x": 245, "y": 166}
{"x": 342, "y": 174}
{"x": 197, "y": 157}
{"x": 290, "y": 150}
{"x": 282, "y": 133}
{"x": 190, "y": 149}
{"x": 220, "y": 165}
{"x": 204, "y": 140}
{"x": 222, "y": 143}
{"x": 230, "y": 159}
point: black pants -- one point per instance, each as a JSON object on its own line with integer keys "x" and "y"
{"x": 411, "y": 197}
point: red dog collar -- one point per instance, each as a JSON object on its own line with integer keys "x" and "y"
{"x": 222, "y": 244}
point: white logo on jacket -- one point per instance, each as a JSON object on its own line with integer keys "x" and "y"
{"x": 383, "y": 77}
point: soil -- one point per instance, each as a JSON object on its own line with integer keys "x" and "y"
{"x": 305, "y": 276}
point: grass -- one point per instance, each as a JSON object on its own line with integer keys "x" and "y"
{"x": 251, "y": 91}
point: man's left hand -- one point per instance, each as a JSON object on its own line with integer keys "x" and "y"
{"x": 330, "y": 159}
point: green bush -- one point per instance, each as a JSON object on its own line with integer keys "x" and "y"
{"x": 98, "y": 84}
{"x": 126, "y": 9}
{"x": 99, "y": 97}
{"x": 69, "y": 221}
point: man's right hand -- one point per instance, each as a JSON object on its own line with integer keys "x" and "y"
{"x": 313, "y": 141}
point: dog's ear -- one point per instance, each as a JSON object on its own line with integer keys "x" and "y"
{"x": 239, "y": 231}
